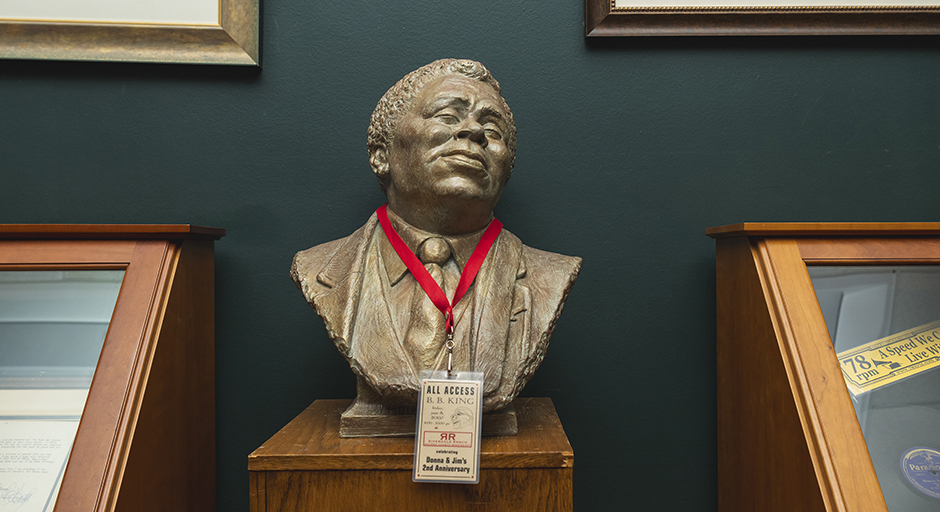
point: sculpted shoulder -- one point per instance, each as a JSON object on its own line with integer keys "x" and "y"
{"x": 545, "y": 268}
{"x": 321, "y": 265}
{"x": 549, "y": 277}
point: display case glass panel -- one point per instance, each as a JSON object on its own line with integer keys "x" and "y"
{"x": 870, "y": 312}
{"x": 53, "y": 324}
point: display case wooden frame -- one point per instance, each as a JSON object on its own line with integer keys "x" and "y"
{"x": 788, "y": 437}
{"x": 603, "y": 19}
{"x": 146, "y": 441}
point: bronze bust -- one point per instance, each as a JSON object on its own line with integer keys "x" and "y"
{"x": 442, "y": 143}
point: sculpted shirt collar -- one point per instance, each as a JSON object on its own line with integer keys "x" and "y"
{"x": 461, "y": 246}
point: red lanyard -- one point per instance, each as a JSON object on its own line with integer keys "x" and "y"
{"x": 428, "y": 284}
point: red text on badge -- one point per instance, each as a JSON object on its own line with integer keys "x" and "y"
{"x": 453, "y": 439}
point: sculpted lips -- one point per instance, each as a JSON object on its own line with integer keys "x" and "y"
{"x": 467, "y": 158}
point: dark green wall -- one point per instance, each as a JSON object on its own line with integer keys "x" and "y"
{"x": 628, "y": 150}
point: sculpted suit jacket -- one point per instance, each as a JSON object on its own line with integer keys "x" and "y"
{"x": 518, "y": 295}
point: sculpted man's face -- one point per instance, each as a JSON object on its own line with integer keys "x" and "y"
{"x": 448, "y": 153}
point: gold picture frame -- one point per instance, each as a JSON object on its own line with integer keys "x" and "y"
{"x": 234, "y": 40}
{"x": 604, "y": 18}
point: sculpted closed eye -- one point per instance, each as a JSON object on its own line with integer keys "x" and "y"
{"x": 493, "y": 132}
{"x": 447, "y": 118}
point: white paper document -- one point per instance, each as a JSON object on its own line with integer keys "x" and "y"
{"x": 33, "y": 454}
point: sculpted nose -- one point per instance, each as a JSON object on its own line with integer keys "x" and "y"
{"x": 471, "y": 129}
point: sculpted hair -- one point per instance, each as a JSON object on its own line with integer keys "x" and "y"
{"x": 399, "y": 98}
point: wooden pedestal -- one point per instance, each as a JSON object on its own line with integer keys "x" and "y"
{"x": 307, "y": 466}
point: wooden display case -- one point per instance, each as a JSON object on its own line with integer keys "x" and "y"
{"x": 789, "y": 436}
{"x": 146, "y": 436}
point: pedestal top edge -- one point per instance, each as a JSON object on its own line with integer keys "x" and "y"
{"x": 311, "y": 442}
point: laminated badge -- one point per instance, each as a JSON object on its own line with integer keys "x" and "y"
{"x": 447, "y": 441}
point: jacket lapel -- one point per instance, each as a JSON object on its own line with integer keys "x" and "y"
{"x": 494, "y": 290}
{"x": 341, "y": 279}
{"x": 366, "y": 334}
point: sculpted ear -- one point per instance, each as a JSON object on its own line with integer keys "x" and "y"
{"x": 379, "y": 162}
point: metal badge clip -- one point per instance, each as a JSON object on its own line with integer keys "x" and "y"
{"x": 450, "y": 354}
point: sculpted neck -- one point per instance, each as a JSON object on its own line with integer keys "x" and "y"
{"x": 453, "y": 218}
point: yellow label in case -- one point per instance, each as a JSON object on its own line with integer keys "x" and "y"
{"x": 891, "y": 359}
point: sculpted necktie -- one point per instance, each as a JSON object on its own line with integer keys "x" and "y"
{"x": 430, "y": 284}
{"x": 426, "y": 333}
